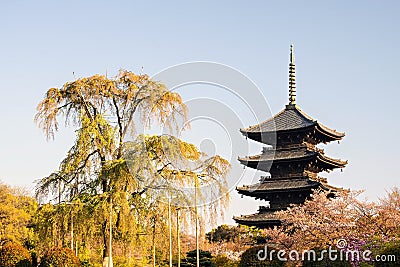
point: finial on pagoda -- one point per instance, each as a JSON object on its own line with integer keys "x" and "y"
{"x": 292, "y": 78}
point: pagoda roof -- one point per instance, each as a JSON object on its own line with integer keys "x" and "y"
{"x": 260, "y": 219}
{"x": 286, "y": 185}
{"x": 327, "y": 187}
{"x": 279, "y": 185}
{"x": 290, "y": 119}
{"x": 300, "y": 153}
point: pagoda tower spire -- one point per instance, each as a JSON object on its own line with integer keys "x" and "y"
{"x": 292, "y": 78}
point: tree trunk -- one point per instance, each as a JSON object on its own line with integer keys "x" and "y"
{"x": 105, "y": 240}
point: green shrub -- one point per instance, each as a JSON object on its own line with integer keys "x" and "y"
{"x": 392, "y": 248}
{"x": 223, "y": 261}
{"x": 204, "y": 259}
{"x": 14, "y": 255}
{"x": 59, "y": 257}
{"x": 250, "y": 258}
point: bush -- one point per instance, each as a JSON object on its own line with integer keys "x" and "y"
{"x": 326, "y": 261}
{"x": 392, "y": 248}
{"x": 205, "y": 259}
{"x": 250, "y": 258}
{"x": 223, "y": 261}
{"x": 86, "y": 263}
{"x": 14, "y": 255}
{"x": 59, "y": 257}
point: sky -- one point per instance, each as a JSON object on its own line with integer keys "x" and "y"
{"x": 347, "y": 63}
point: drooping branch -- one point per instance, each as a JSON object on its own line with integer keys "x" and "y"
{"x": 120, "y": 128}
{"x": 100, "y": 166}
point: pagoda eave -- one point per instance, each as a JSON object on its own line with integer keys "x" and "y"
{"x": 267, "y": 190}
{"x": 331, "y": 162}
{"x": 291, "y": 119}
{"x": 259, "y": 220}
{"x": 276, "y": 186}
{"x": 333, "y": 134}
{"x": 250, "y": 192}
{"x": 274, "y": 158}
{"x": 331, "y": 188}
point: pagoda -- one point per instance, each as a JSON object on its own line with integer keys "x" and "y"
{"x": 291, "y": 159}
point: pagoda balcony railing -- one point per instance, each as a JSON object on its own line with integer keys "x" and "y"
{"x": 320, "y": 179}
{"x": 264, "y": 208}
{"x": 273, "y": 208}
{"x": 265, "y": 178}
{"x": 301, "y": 145}
{"x": 313, "y": 147}
{"x": 309, "y": 174}
{"x": 299, "y": 175}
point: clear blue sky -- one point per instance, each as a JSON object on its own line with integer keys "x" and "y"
{"x": 346, "y": 55}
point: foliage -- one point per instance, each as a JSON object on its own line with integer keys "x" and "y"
{"x": 318, "y": 262}
{"x": 86, "y": 263}
{"x": 322, "y": 222}
{"x": 326, "y": 262}
{"x": 230, "y": 250}
{"x": 16, "y": 209}
{"x": 391, "y": 248}
{"x": 240, "y": 234}
{"x": 223, "y": 233}
{"x": 59, "y": 257}
{"x": 250, "y": 258}
{"x": 112, "y": 174}
{"x": 204, "y": 259}
{"x": 224, "y": 261}
{"x": 229, "y": 242}
{"x": 14, "y": 255}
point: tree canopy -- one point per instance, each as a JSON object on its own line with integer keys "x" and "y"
{"x": 16, "y": 210}
{"x": 111, "y": 168}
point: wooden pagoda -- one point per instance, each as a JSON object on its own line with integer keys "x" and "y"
{"x": 292, "y": 159}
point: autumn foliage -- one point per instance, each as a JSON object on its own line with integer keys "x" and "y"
{"x": 60, "y": 257}
{"x": 16, "y": 209}
{"x": 114, "y": 174}
{"x": 14, "y": 255}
